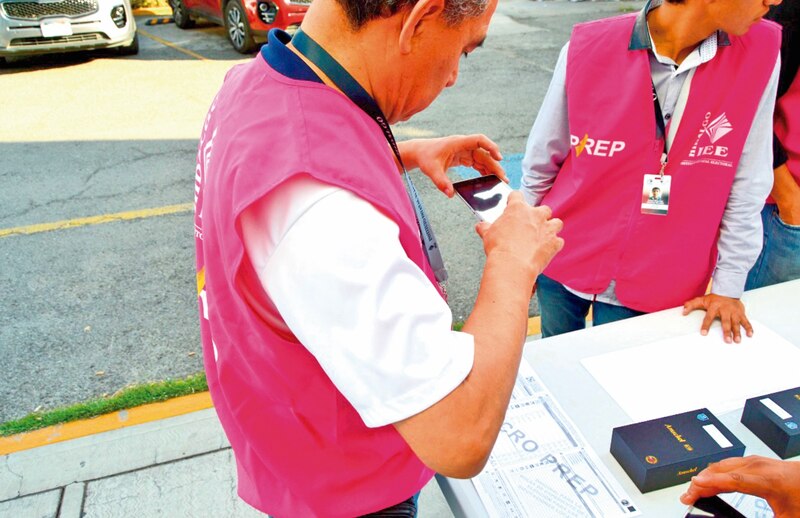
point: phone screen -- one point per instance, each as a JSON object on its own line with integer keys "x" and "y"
{"x": 715, "y": 507}
{"x": 487, "y": 196}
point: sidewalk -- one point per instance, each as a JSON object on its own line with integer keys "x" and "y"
{"x": 164, "y": 459}
{"x": 175, "y": 466}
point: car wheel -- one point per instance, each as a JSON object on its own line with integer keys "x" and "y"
{"x": 132, "y": 49}
{"x": 180, "y": 15}
{"x": 238, "y": 28}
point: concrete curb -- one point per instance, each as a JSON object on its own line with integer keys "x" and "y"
{"x": 104, "y": 423}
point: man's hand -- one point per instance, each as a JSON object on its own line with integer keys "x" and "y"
{"x": 730, "y": 312}
{"x": 526, "y": 233}
{"x": 776, "y": 481}
{"x": 786, "y": 194}
{"x": 435, "y": 156}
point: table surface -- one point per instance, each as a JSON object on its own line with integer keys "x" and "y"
{"x": 557, "y": 361}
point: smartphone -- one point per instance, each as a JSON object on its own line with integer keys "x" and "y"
{"x": 713, "y": 506}
{"x": 486, "y": 196}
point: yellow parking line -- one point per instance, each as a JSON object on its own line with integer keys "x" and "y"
{"x": 171, "y": 45}
{"x": 96, "y": 220}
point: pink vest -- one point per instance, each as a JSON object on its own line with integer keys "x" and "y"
{"x": 301, "y": 449}
{"x": 658, "y": 261}
{"x": 787, "y": 126}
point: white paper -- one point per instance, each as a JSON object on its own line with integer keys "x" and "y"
{"x": 541, "y": 466}
{"x": 692, "y": 371}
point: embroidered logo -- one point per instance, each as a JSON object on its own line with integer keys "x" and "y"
{"x": 718, "y": 128}
{"x": 595, "y": 147}
{"x": 705, "y": 150}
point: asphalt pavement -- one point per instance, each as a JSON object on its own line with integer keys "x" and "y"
{"x": 88, "y": 306}
{"x": 110, "y": 302}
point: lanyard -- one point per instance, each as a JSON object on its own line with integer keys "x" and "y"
{"x": 661, "y": 128}
{"x": 356, "y": 93}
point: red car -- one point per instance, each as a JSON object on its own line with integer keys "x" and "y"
{"x": 246, "y": 21}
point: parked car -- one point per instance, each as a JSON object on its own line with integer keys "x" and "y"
{"x": 246, "y": 21}
{"x": 41, "y": 26}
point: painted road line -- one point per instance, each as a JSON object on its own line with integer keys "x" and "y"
{"x": 105, "y": 423}
{"x": 171, "y": 45}
{"x": 96, "y": 220}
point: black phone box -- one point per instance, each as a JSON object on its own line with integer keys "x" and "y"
{"x": 671, "y": 450}
{"x": 775, "y": 419}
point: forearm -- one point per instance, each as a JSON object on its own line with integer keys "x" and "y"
{"x": 408, "y": 152}
{"x": 471, "y": 415}
{"x": 548, "y": 143}
{"x": 785, "y": 190}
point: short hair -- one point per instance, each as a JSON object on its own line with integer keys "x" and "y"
{"x": 360, "y": 12}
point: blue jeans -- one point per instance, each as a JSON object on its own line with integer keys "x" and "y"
{"x": 405, "y": 509}
{"x": 563, "y": 311}
{"x": 780, "y": 258}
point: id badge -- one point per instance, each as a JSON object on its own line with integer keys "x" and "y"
{"x": 655, "y": 194}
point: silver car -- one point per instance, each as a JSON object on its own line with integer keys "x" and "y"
{"x": 41, "y": 26}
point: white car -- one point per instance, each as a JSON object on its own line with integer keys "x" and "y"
{"x": 42, "y": 26}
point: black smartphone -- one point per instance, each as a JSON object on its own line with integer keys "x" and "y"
{"x": 486, "y": 196}
{"x": 713, "y": 506}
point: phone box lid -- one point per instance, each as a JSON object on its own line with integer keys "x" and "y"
{"x": 670, "y": 450}
{"x": 775, "y": 419}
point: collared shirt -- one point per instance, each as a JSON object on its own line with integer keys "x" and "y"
{"x": 740, "y": 229}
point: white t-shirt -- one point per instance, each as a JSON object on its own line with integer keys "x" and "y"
{"x": 338, "y": 279}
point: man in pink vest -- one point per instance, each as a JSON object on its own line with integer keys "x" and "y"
{"x": 780, "y": 257}
{"x": 327, "y": 340}
{"x": 677, "y": 97}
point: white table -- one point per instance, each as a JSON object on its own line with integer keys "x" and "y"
{"x": 557, "y": 361}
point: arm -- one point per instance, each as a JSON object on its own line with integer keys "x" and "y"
{"x": 435, "y": 156}
{"x": 741, "y": 232}
{"x": 548, "y": 144}
{"x": 786, "y": 193}
{"x": 777, "y": 481}
{"x": 456, "y": 435}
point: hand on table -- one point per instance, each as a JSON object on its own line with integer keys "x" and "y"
{"x": 730, "y": 311}
{"x": 776, "y": 481}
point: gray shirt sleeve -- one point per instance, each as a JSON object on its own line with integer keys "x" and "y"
{"x": 741, "y": 232}
{"x": 548, "y": 143}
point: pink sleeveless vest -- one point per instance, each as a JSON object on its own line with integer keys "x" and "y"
{"x": 658, "y": 261}
{"x": 301, "y": 449}
{"x": 787, "y": 125}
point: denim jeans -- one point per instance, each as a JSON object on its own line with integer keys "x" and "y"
{"x": 780, "y": 258}
{"x": 563, "y": 311}
{"x": 405, "y": 509}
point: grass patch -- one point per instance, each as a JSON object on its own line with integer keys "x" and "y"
{"x": 458, "y": 326}
{"x": 125, "y": 398}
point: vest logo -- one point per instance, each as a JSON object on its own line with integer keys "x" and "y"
{"x": 718, "y": 128}
{"x": 604, "y": 148}
{"x": 705, "y": 149}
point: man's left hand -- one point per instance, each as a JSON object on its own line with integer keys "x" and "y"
{"x": 435, "y": 156}
{"x": 730, "y": 311}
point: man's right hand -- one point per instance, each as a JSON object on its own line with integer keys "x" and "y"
{"x": 526, "y": 233}
{"x": 776, "y": 481}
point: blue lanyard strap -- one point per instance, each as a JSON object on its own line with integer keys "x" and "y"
{"x": 356, "y": 93}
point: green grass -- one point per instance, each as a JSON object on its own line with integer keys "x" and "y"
{"x": 128, "y": 397}
{"x": 457, "y": 326}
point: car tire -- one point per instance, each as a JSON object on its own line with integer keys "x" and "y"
{"x": 180, "y": 15}
{"x": 238, "y": 28}
{"x": 132, "y": 49}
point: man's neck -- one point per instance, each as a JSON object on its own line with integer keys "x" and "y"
{"x": 353, "y": 51}
{"x": 677, "y": 29}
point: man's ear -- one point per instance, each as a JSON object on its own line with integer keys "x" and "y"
{"x": 415, "y": 20}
